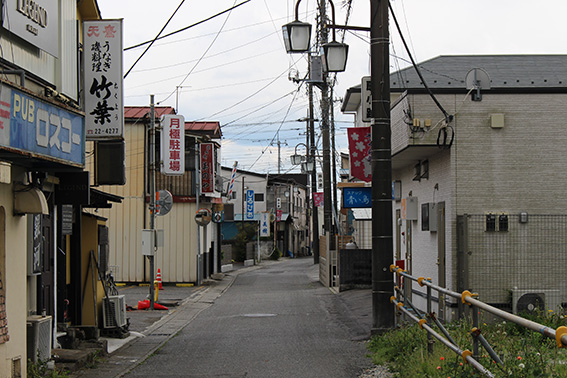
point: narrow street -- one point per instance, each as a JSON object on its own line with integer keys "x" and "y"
{"x": 277, "y": 321}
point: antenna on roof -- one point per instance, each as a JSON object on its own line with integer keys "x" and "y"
{"x": 478, "y": 79}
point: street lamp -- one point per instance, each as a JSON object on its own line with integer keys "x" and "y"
{"x": 297, "y": 35}
{"x": 334, "y": 54}
{"x": 308, "y": 165}
{"x": 296, "y": 158}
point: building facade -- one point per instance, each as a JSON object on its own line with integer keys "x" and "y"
{"x": 43, "y": 185}
{"x": 190, "y": 251}
{"x": 468, "y": 180}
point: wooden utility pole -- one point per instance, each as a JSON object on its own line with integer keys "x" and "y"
{"x": 382, "y": 245}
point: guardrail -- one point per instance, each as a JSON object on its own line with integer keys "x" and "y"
{"x": 467, "y": 298}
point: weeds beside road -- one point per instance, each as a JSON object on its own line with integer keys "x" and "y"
{"x": 524, "y": 353}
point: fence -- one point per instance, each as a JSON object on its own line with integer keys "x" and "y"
{"x": 404, "y": 305}
{"x": 513, "y": 260}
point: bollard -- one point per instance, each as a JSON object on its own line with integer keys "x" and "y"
{"x": 156, "y": 291}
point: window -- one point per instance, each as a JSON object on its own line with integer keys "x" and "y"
{"x": 258, "y": 197}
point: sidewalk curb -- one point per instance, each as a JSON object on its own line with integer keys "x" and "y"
{"x": 135, "y": 351}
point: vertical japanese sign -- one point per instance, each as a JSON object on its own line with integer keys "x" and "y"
{"x": 360, "y": 149}
{"x": 249, "y": 204}
{"x": 264, "y": 224}
{"x": 103, "y": 85}
{"x": 207, "y": 168}
{"x": 173, "y": 145}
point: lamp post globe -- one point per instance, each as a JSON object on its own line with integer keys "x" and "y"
{"x": 334, "y": 56}
{"x": 296, "y": 159}
{"x": 297, "y": 36}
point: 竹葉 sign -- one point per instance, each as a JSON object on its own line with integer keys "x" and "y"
{"x": 103, "y": 87}
{"x": 31, "y": 125}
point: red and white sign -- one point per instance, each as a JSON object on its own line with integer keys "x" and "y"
{"x": 173, "y": 145}
{"x": 318, "y": 198}
{"x": 360, "y": 150}
{"x": 207, "y": 168}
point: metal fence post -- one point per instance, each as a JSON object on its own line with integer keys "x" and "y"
{"x": 475, "y": 311}
{"x": 462, "y": 258}
{"x": 429, "y": 315}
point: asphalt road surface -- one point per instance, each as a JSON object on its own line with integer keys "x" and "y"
{"x": 277, "y": 321}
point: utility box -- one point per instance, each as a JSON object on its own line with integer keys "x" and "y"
{"x": 409, "y": 208}
{"x": 148, "y": 242}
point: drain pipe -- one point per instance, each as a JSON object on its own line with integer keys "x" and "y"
{"x": 22, "y": 74}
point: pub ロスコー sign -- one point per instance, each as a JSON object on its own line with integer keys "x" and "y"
{"x": 40, "y": 128}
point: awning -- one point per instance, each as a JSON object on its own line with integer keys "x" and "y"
{"x": 101, "y": 200}
{"x": 29, "y": 200}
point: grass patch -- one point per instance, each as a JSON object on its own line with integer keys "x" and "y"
{"x": 524, "y": 353}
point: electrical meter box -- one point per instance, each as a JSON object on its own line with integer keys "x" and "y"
{"x": 409, "y": 208}
{"x": 148, "y": 242}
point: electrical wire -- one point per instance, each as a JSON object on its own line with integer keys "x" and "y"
{"x": 448, "y": 117}
{"x": 201, "y": 58}
{"x": 185, "y": 28}
{"x": 155, "y": 39}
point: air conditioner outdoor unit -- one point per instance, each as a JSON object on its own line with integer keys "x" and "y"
{"x": 114, "y": 311}
{"x": 39, "y": 338}
{"x": 530, "y": 300}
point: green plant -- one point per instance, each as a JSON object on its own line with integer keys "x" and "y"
{"x": 41, "y": 369}
{"x": 276, "y": 254}
{"x": 246, "y": 233}
{"x": 524, "y": 353}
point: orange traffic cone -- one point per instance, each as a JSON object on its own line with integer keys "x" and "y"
{"x": 158, "y": 279}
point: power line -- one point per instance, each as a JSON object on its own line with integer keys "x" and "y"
{"x": 201, "y": 58}
{"x": 185, "y": 28}
{"x": 155, "y": 39}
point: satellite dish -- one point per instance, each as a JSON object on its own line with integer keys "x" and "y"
{"x": 478, "y": 79}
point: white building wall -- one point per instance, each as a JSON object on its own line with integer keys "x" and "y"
{"x": 421, "y": 251}
{"x": 15, "y": 282}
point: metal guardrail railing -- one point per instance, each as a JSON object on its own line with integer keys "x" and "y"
{"x": 466, "y": 297}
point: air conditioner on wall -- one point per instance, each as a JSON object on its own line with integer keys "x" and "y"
{"x": 530, "y": 300}
{"x": 114, "y": 311}
{"x": 39, "y": 338}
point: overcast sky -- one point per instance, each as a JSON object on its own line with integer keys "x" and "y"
{"x": 234, "y": 68}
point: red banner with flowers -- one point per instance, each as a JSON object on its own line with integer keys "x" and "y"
{"x": 360, "y": 151}
{"x": 318, "y": 199}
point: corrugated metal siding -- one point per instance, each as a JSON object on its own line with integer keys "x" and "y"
{"x": 126, "y": 220}
{"x": 29, "y": 58}
{"x": 177, "y": 260}
{"x": 68, "y": 75}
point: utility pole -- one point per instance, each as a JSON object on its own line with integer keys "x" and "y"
{"x": 328, "y": 219}
{"x": 152, "y": 179}
{"x": 312, "y": 152}
{"x": 334, "y": 161}
{"x": 382, "y": 245}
